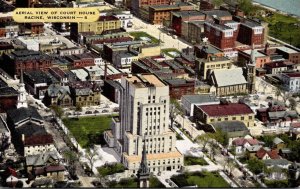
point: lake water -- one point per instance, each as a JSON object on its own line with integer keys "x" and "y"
{"x": 289, "y": 6}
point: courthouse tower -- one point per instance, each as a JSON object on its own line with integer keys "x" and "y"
{"x": 144, "y": 117}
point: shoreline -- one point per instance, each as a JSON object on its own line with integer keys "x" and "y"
{"x": 275, "y": 10}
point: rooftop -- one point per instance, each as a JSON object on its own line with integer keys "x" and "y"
{"x": 188, "y": 13}
{"x": 217, "y": 13}
{"x": 108, "y": 18}
{"x": 287, "y": 50}
{"x": 216, "y": 110}
{"x": 255, "y": 52}
{"x": 151, "y": 157}
{"x": 251, "y": 23}
{"x": 230, "y": 126}
{"x": 201, "y": 98}
{"x": 293, "y": 74}
{"x": 229, "y": 77}
{"x": 218, "y": 26}
{"x": 145, "y": 80}
{"x": 21, "y": 114}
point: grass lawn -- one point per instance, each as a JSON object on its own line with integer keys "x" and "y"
{"x": 111, "y": 169}
{"x": 189, "y": 160}
{"x": 167, "y": 52}
{"x": 88, "y": 130}
{"x": 132, "y": 183}
{"x": 284, "y": 28}
{"x": 201, "y": 179}
{"x": 137, "y": 36}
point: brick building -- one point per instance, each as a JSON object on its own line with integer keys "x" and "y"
{"x": 27, "y": 60}
{"x": 160, "y": 13}
{"x": 8, "y": 97}
{"x": 251, "y": 32}
{"x": 81, "y": 60}
{"x": 206, "y": 5}
{"x": 136, "y": 5}
{"x": 5, "y": 47}
{"x": 179, "y": 87}
{"x": 178, "y": 18}
{"x": 221, "y": 36}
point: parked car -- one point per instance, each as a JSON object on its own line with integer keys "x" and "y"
{"x": 105, "y": 111}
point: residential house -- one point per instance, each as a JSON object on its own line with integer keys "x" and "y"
{"x": 241, "y": 144}
{"x": 229, "y": 81}
{"x": 190, "y": 101}
{"x": 28, "y": 133}
{"x": 276, "y": 169}
{"x": 85, "y": 93}
{"x": 41, "y": 160}
{"x": 267, "y": 154}
{"x": 278, "y": 143}
{"x": 58, "y": 95}
{"x": 208, "y": 114}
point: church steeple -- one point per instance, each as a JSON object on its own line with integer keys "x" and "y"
{"x": 22, "y": 101}
{"x": 144, "y": 171}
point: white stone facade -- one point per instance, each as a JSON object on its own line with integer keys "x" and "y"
{"x": 144, "y": 114}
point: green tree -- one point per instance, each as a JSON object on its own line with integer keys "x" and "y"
{"x": 292, "y": 103}
{"x": 217, "y": 3}
{"x": 255, "y": 165}
{"x": 175, "y": 110}
{"x": 71, "y": 158}
{"x": 91, "y": 156}
{"x": 59, "y": 112}
{"x": 221, "y": 137}
{"x": 204, "y": 139}
{"x": 246, "y": 6}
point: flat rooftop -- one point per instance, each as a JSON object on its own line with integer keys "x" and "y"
{"x": 287, "y": 50}
{"x": 256, "y": 53}
{"x": 145, "y": 80}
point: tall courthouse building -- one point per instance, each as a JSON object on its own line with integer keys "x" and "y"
{"x": 144, "y": 115}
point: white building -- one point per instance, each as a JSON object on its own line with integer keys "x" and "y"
{"x": 291, "y": 81}
{"x": 124, "y": 59}
{"x": 124, "y": 16}
{"x": 144, "y": 114}
{"x": 70, "y": 51}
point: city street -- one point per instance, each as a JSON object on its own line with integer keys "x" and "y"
{"x": 157, "y": 32}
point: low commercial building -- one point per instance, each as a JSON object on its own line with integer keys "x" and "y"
{"x": 104, "y": 23}
{"x": 27, "y": 60}
{"x": 206, "y": 67}
{"x": 260, "y": 57}
{"x": 207, "y": 51}
{"x": 179, "y": 87}
{"x": 190, "y": 101}
{"x": 124, "y": 59}
{"x": 81, "y": 60}
{"x": 6, "y": 47}
{"x": 291, "y": 81}
{"x": 160, "y": 13}
{"x": 209, "y": 114}
{"x": 37, "y": 82}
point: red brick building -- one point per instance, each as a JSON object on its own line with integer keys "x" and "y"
{"x": 179, "y": 87}
{"x": 206, "y": 5}
{"x": 27, "y": 60}
{"x": 178, "y": 18}
{"x": 137, "y": 4}
{"x": 221, "y": 36}
{"x": 8, "y": 97}
{"x": 251, "y": 32}
{"x": 81, "y": 60}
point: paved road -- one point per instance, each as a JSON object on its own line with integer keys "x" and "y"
{"x": 157, "y": 32}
